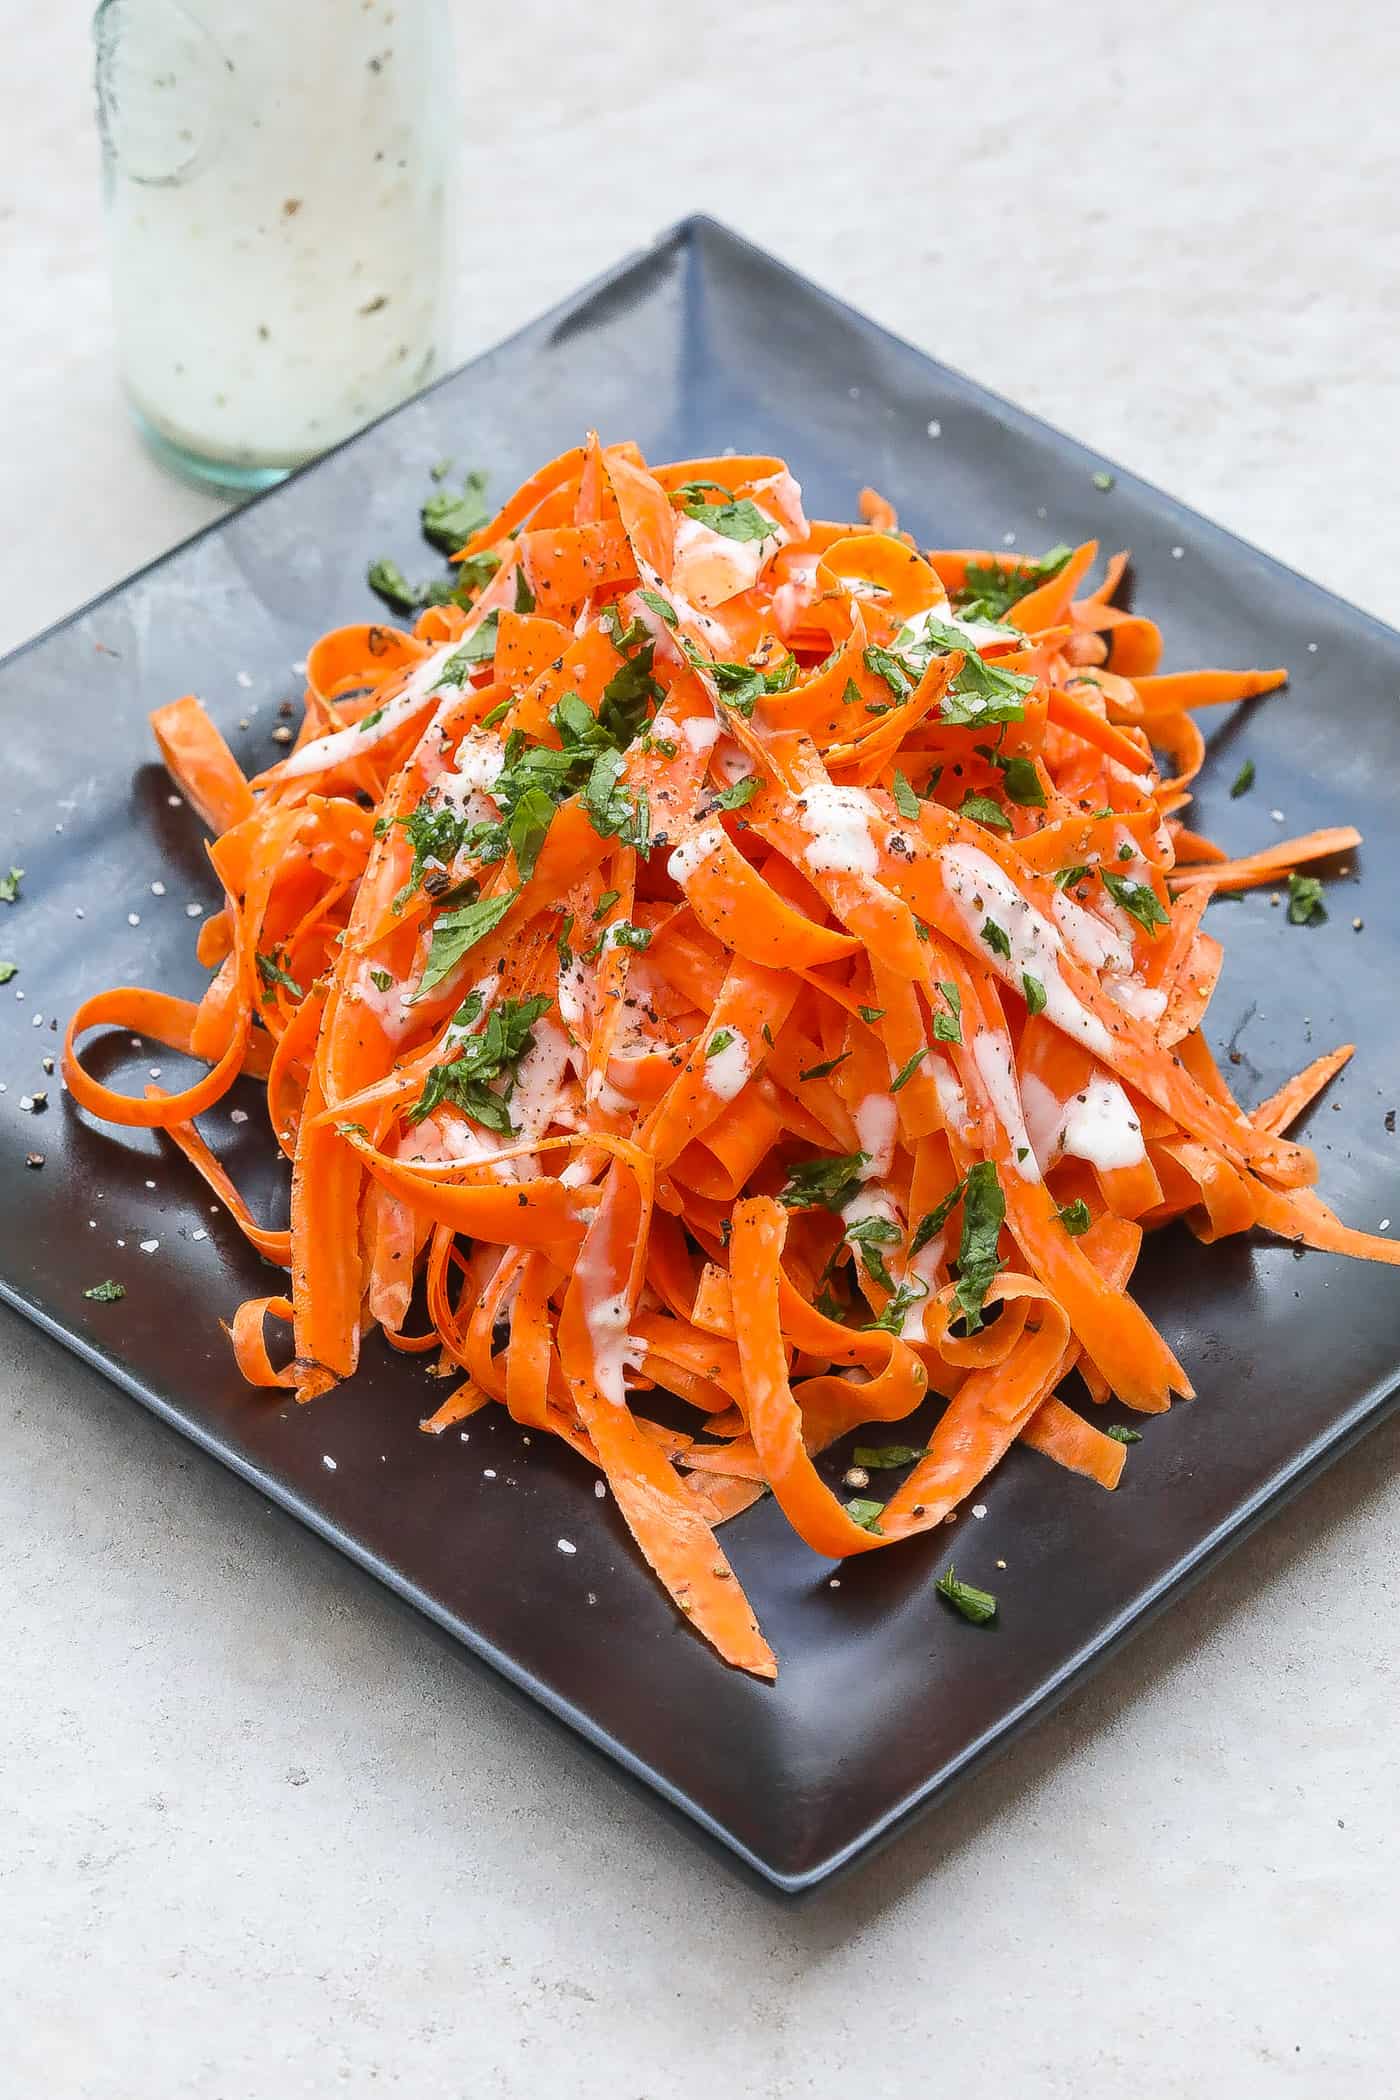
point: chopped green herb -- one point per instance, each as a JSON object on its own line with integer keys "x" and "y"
{"x": 387, "y": 580}
{"x": 978, "y": 1606}
{"x": 996, "y": 938}
{"x": 1075, "y": 1217}
{"x": 622, "y": 934}
{"x": 272, "y": 973}
{"x": 456, "y": 933}
{"x": 879, "y": 1458}
{"x": 947, "y": 1028}
{"x": 1021, "y": 782}
{"x": 872, "y": 1014}
{"x": 933, "y": 1221}
{"x": 450, "y": 520}
{"x": 851, "y": 695}
{"x": 441, "y": 469}
{"x": 905, "y": 800}
{"x": 982, "y": 810}
{"x": 1243, "y": 780}
{"x": 822, "y": 1071}
{"x": 984, "y": 1209}
{"x": 497, "y": 714}
{"x": 524, "y": 596}
{"x": 1305, "y": 903}
{"x": 1104, "y": 481}
{"x": 1138, "y": 899}
{"x": 883, "y": 663}
{"x": 892, "y": 1315}
{"x": 735, "y": 521}
{"x": 372, "y": 721}
{"x": 1125, "y": 851}
{"x": 870, "y": 1235}
{"x": 825, "y": 1182}
{"x": 105, "y": 1293}
{"x": 866, "y": 1514}
{"x": 566, "y": 953}
{"x": 605, "y": 904}
{"x": 493, "y": 1054}
{"x": 7, "y": 971}
{"x": 660, "y": 606}
{"x": 1034, "y": 991}
{"x": 1121, "y": 1435}
{"x": 990, "y": 589}
{"x": 906, "y": 1072}
{"x": 1069, "y": 878}
{"x": 719, "y": 1041}
{"x": 380, "y": 979}
{"x": 738, "y": 792}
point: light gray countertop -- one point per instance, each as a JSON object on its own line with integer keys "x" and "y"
{"x": 264, "y": 1833}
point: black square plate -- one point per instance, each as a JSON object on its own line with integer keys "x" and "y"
{"x": 883, "y": 1697}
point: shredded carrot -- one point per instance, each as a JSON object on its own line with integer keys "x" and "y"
{"x": 737, "y": 956}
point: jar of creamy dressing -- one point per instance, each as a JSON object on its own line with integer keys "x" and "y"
{"x": 275, "y": 175}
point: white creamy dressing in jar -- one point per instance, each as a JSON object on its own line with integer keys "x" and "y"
{"x": 275, "y": 182}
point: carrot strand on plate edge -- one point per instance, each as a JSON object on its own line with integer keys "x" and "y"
{"x": 700, "y": 962}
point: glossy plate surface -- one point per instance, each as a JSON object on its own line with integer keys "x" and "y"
{"x": 884, "y": 1697}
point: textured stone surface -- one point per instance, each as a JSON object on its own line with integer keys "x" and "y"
{"x": 265, "y": 1833}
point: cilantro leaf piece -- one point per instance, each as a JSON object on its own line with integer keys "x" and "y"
{"x": 1069, "y": 878}
{"x": 824, "y": 1182}
{"x": 982, "y": 810}
{"x": 905, "y": 800}
{"x": 1075, "y": 1217}
{"x": 823, "y": 1070}
{"x": 735, "y": 521}
{"x": 870, "y": 1235}
{"x": 894, "y": 1312}
{"x": 456, "y": 933}
{"x": 7, "y": 971}
{"x": 660, "y": 606}
{"x": 1034, "y": 991}
{"x": 866, "y": 1513}
{"x": 990, "y": 589}
{"x": 906, "y": 1072}
{"x": 1104, "y": 481}
{"x": 387, "y": 580}
{"x": 933, "y": 1221}
{"x": 1305, "y": 894}
{"x": 450, "y": 520}
{"x": 524, "y": 596}
{"x": 984, "y": 1210}
{"x": 996, "y": 938}
{"x": 492, "y": 1054}
{"x": 527, "y": 828}
{"x": 738, "y": 792}
{"x": 1243, "y": 780}
{"x": 605, "y": 904}
{"x": 1021, "y": 782}
{"x": 879, "y": 1458}
{"x": 105, "y": 1293}
{"x": 381, "y": 980}
{"x": 1138, "y": 899}
{"x": 871, "y": 1014}
{"x": 977, "y": 1606}
{"x": 1121, "y": 1435}
{"x": 623, "y": 934}
{"x": 272, "y": 974}
{"x": 883, "y": 663}
{"x": 947, "y": 1028}
{"x": 719, "y": 1042}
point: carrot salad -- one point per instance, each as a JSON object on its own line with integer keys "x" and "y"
{"x": 741, "y": 957}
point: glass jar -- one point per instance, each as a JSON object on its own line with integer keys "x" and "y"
{"x": 275, "y": 177}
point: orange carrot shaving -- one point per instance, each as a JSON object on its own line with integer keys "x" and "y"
{"x": 746, "y": 957}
